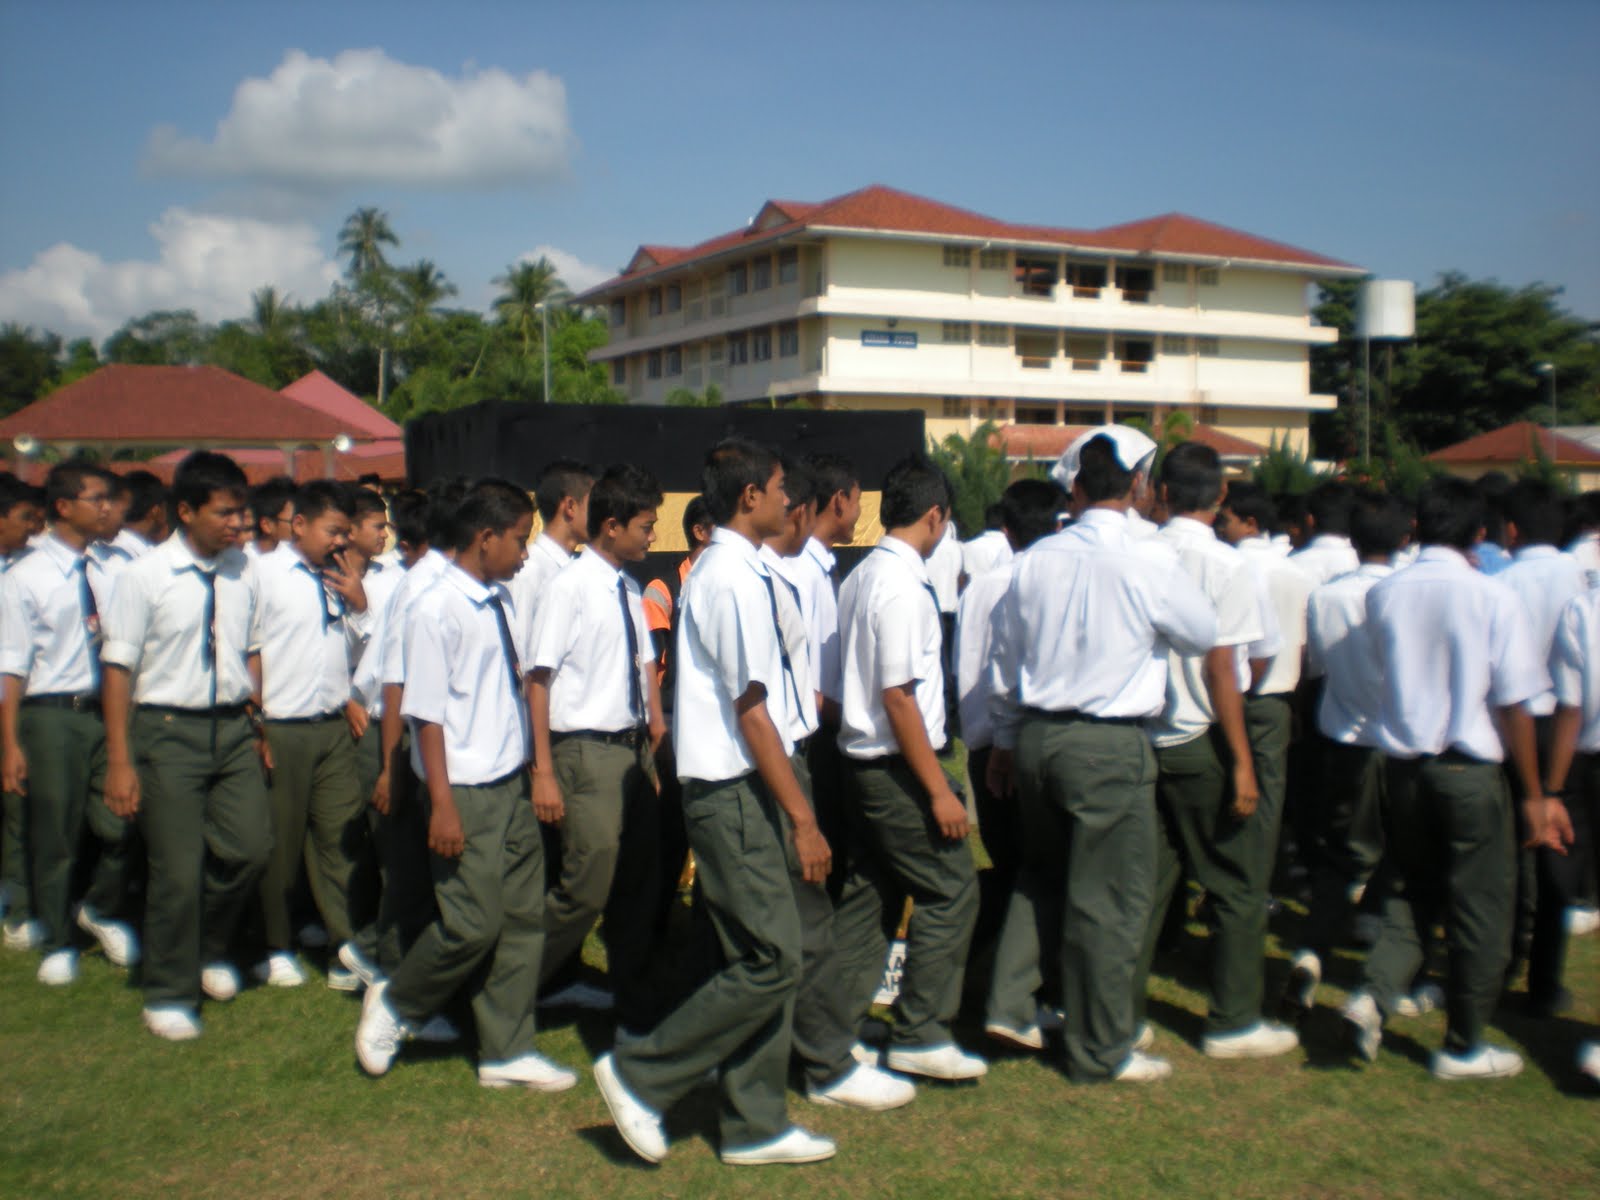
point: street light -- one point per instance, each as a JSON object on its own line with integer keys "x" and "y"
{"x": 1548, "y": 370}
{"x": 544, "y": 332}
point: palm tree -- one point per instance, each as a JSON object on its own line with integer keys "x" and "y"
{"x": 526, "y": 286}
{"x": 366, "y": 231}
{"x": 422, "y": 287}
{"x": 270, "y": 312}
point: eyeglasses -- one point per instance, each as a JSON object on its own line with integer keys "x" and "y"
{"x": 95, "y": 498}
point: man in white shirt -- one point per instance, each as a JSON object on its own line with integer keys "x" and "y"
{"x": 1583, "y": 535}
{"x": 1207, "y": 791}
{"x": 464, "y": 692}
{"x": 1132, "y": 447}
{"x": 1327, "y": 553}
{"x": 1457, "y": 664}
{"x": 271, "y": 514}
{"x": 52, "y": 743}
{"x": 311, "y": 613}
{"x": 908, "y": 833}
{"x": 990, "y": 549}
{"x": 732, "y": 742}
{"x": 176, "y": 636}
{"x": 18, "y": 510}
{"x": 597, "y": 723}
{"x": 562, "y": 496}
{"x": 144, "y": 522}
{"x": 1346, "y": 823}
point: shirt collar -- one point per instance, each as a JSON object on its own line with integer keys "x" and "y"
{"x": 1444, "y": 554}
{"x": 1524, "y": 553}
{"x": 552, "y": 549}
{"x": 181, "y": 556}
{"x": 821, "y": 553}
{"x": 1260, "y": 544}
{"x": 1106, "y": 518}
{"x": 734, "y": 541}
{"x": 1328, "y": 541}
{"x": 906, "y": 554}
{"x": 63, "y": 555}
{"x": 478, "y": 593}
{"x": 1189, "y": 527}
{"x": 1374, "y": 570}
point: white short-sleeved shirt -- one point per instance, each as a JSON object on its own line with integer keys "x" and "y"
{"x": 131, "y": 544}
{"x": 1575, "y": 665}
{"x": 1339, "y": 649}
{"x": 1453, "y": 644}
{"x": 889, "y": 624}
{"x": 727, "y": 641}
{"x": 424, "y": 573}
{"x": 547, "y": 558}
{"x": 1088, "y": 622}
{"x": 975, "y": 616}
{"x": 944, "y": 569}
{"x": 459, "y": 677}
{"x": 1326, "y": 557}
{"x": 794, "y": 627}
{"x": 1545, "y": 580}
{"x": 982, "y": 554}
{"x": 46, "y": 638}
{"x": 824, "y": 631}
{"x": 1288, "y": 589}
{"x": 380, "y": 583}
{"x": 1225, "y": 579}
{"x": 579, "y": 636}
{"x": 305, "y": 638}
{"x": 155, "y": 626}
{"x": 1585, "y": 549}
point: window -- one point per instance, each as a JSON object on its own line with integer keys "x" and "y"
{"x": 691, "y": 357}
{"x": 1036, "y": 414}
{"x": 994, "y": 335}
{"x": 788, "y": 339}
{"x": 1036, "y": 350}
{"x": 654, "y": 302}
{"x": 1209, "y": 414}
{"x": 738, "y": 280}
{"x": 958, "y": 256}
{"x": 1085, "y": 416}
{"x": 619, "y": 312}
{"x": 652, "y": 364}
{"x": 1035, "y": 276}
{"x": 1136, "y": 283}
{"x": 675, "y": 361}
{"x": 738, "y": 349}
{"x": 994, "y": 260}
{"x": 619, "y": 371}
{"x": 1086, "y": 279}
{"x": 1207, "y": 347}
{"x": 1208, "y": 276}
{"x": 1175, "y": 344}
{"x": 955, "y": 406}
{"x": 761, "y": 274}
{"x": 674, "y": 297}
{"x": 1135, "y": 355}
{"x": 1174, "y": 272}
{"x": 788, "y": 266}
{"x": 761, "y": 345}
{"x": 714, "y": 351}
{"x": 957, "y": 331}
{"x": 1086, "y": 353}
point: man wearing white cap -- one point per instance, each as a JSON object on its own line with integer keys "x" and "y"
{"x": 1134, "y": 452}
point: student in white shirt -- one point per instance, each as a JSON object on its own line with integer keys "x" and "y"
{"x": 464, "y": 691}
{"x": 1207, "y": 790}
{"x": 990, "y": 549}
{"x": 271, "y": 514}
{"x": 908, "y": 834}
{"x": 732, "y": 749}
{"x": 1582, "y": 535}
{"x": 310, "y": 613}
{"x": 19, "y": 518}
{"x": 1457, "y": 664}
{"x": 144, "y": 523}
{"x": 562, "y": 496}
{"x": 1346, "y": 806}
{"x": 1132, "y": 447}
{"x": 176, "y": 637}
{"x": 597, "y": 723}
{"x": 1327, "y": 553}
{"x": 52, "y": 743}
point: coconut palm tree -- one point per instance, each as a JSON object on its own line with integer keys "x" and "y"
{"x": 270, "y": 313}
{"x": 526, "y": 285}
{"x": 366, "y": 231}
{"x": 422, "y": 287}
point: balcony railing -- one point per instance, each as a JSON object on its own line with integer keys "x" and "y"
{"x": 1133, "y": 366}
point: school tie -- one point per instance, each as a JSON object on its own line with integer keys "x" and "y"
{"x": 506, "y": 646}
{"x": 208, "y": 618}
{"x": 91, "y": 620}
{"x": 635, "y": 692}
{"x": 783, "y": 647}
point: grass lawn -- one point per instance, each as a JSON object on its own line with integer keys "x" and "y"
{"x": 270, "y": 1102}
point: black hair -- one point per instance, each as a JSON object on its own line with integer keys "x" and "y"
{"x": 834, "y": 473}
{"x": 1329, "y": 505}
{"x": 1030, "y": 509}
{"x": 799, "y": 484}
{"x": 1100, "y": 474}
{"x": 445, "y": 498}
{"x": 621, "y": 493}
{"x": 1250, "y": 502}
{"x": 734, "y": 464}
{"x": 203, "y": 474}
{"x": 994, "y": 517}
{"x": 1291, "y": 508}
{"x": 1449, "y": 513}
{"x": 494, "y": 505}
{"x": 912, "y": 487}
{"x": 696, "y": 512}
{"x": 65, "y": 482}
{"x": 319, "y": 496}
{"x": 268, "y": 498}
{"x": 1192, "y": 475}
{"x": 1534, "y": 507}
{"x": 410, "y": 517}
{"x": 1582, "y": 515}
{"x": 116, "y": 485}
{"x": 1379, "y": 523}
{"x": 371, "y": 477}
{"x": 364, "y": 502}
{"x": 146, "y": 492}
{"x": 13, "y": 492}
{"x": 561, "y": 479}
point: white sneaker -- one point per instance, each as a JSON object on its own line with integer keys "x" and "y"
{"x": 59, "y": 968}
{"x": 379, "y": 1032}
{"x": 1050, "y": 1020}
{"x": 865, "y": 1088}
{"x": 948, "y": 1061}
{"x": 1305, "y": 973}
{"x": 172, "y": 1023}
{"x": 794, "y": 1145}
{"x": 312, "y": 936}
{"x": 1027, "y": 1037}
{"x": 531, "y": 1071}
{"x": 357, "y": 964}
{"x": 1487, "y": 1062}
{"x": 120, "y": 943}
{"x": 439, "y": 1030}
{"x": 342, "y": 980}
{"x": 865, "y": 1055}
{"x": 1145, "y": 1038}
{"x": 1142, "y": 1068}
{"x": 24, "y": 935}
{"x": 1366, "y": 1024}
{"x": 219, "y": 981}
{"x": 1425, "y": 999}
{"x": 279, "y": 970}
{"x": 1589, "y": 1060}
{"x": 1582, "y": 919}
{"x": 639, "y": 1127}
{"x": 579, "y": 995}
{"x": 1264, "y": 1039}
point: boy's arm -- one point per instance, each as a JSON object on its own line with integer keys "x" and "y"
{"x": 444, "y": 822}
{"x": 547, "y": 804}
{"x": 905, "y": 719}
{"x": 1222, "y": 682}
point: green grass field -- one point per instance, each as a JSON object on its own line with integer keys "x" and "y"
{"x": 270, "y": 1102}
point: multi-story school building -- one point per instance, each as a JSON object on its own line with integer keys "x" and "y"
{"x": 884, "y": 300}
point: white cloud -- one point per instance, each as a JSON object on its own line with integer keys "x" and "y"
{"x": 365, "y": 119}
{"x": 206, "y": 262}
{"x": 575, "y": 273}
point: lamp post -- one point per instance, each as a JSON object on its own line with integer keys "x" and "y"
{"x": 544, "y": 336}
{"x": 1548, "y": 370}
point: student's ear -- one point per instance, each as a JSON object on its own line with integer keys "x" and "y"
{"x": 750, "y": 498}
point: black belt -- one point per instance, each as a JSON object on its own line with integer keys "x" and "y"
{"x": 1073, "y": 714}
{"x": 63, "y": 700}
{"x": 221, "y": 712}
{"x": 332, "y": 715}
{"x": 632, "y": 738}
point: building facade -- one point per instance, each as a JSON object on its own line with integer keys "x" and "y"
{"x": 884, "y": 300}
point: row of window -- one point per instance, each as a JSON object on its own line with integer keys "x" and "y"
{"x": 755, "y": 345}
{"x": 960, "y": 332}
{"x": 1044, "y": 412}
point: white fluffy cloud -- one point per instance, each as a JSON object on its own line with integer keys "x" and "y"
{"x": 364, "y": 119}
{"x": 206, "y": 262}
{"x": 575, "y": 273}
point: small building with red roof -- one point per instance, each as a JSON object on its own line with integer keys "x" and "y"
{"x": 1572, "y": 450}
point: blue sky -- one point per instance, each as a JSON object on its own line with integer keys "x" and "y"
{"x": 1408, "y": 137}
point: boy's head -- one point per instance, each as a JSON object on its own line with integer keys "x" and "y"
{"x": 838, "y": 486}
{"x": 1029, "y": 510}
{"x": 1533, "y": 513}
{"x": 916, "y": 503}
{"x": 78, "y": 498}
{"x": 1380, "y": 523}
{"x": 492, "y": 530}
{"x": 320, "y": 526}
{"x": 622, "y": 512}
{"x": 1328, "y": 507}
{"x": 562, "y": 492}
{"x": 743, "y": 482}
{"x": 1449, "y": 513}
{"x": 1191, "y": 479}
{"x": 1247, "y": 511}
{"x": 16, "y": 513}
{"x": 369, "y": 522}
{"x": 210, "y": 497}
{"x": 1100, "y": 475}
{"x": 146, "y": 513}
{"x": 272, "y": 510}
{"x": 800, "y": 486}
{"x": 697, "y": 524}
{"x": 411, "y": 510}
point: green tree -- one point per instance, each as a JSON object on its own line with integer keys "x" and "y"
{"x": 682, "y": 397}
{"x": 29, "y": 365}
{"x": 363, "y": 236}
{"x": 166, "y": 338}
{"x": 423, "y": 287}
{"x": 978, "y": 472}
{"x": 524, "y": 287}
{"x": 82, "y": 359}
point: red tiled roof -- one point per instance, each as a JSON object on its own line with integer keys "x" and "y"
{"x": 882, "y": 208}
{"x": 385, "y": 458}
{"x": 360, "y": 418}
{"x": 1047, "y": 442}
{"x": 182, "y": 405}
{"x": 1514, "y": 444}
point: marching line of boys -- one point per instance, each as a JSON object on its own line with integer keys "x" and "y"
{"x": 477, "y": 722}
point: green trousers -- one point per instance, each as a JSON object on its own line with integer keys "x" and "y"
{"x": 1268, "y": 722}
{"x": 739, "y": 1018}
{"x": 14, "y": 858}
{"x": 1347, "y": 824}
{"x": 207, "y": 828}
{"x": 66, "y": 771}
{"x": 896, "y": 851}
{"x": 319, "y": 818}
{"x": 489, "y": 934}
{"x": 366, "y": 883}
{"x": 1450, "y": 859}
{"x": 1198, "y": 837}
{"x": 1087, "y": 797}
{"x": 405, "y": 898}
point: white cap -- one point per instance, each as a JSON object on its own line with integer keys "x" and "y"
{"x": 1133, "y": 450}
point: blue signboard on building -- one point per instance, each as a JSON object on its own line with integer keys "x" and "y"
{"x": 889, "y": 338}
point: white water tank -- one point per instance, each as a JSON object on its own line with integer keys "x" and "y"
{"x": 1386, "y": 310}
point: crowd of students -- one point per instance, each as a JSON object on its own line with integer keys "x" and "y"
{"x": 232, "y": 724}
